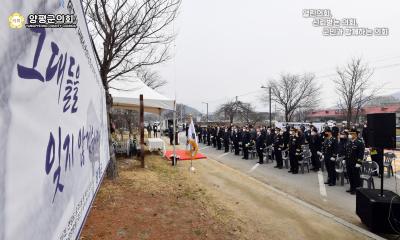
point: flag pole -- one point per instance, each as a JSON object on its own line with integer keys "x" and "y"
{"x": 174, "y": 134}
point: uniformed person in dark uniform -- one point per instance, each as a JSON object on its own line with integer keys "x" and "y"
{"x": 208, "y": 136}
{"x": 236, "y": 140}
{"x": 246, "y": 143}
{"x": 260, "y": 145}
{"x": 354, "y": 157}
{"x": 335, "y": 131}
{"x": 343, "y": 138}
{"x": 315, "y": 143}
{"x": 286, "y": 137}
{"x": 294, "y": 151}
{"x": 214, "y": 136}
{"x": 278, "y": 146}
{"x": 220, "y": 138}
{"x": 226, "y": 139}
{"x": 171, "y": 134}
{"x": 329, "y": 149}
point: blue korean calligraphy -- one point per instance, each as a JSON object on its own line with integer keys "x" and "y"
{"x": 32, "y": 72}
{"x": 60, "y": 153}
{"x": 50, "y": 158}
{"x": 56, "y": 65}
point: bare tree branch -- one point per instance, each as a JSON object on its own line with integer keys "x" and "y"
{"x": 352, "y": 83}
{"x": 293, "y": 92}
{"x": 151, "y": 79}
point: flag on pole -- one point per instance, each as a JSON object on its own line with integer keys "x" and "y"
{"x": 192, "y": 131}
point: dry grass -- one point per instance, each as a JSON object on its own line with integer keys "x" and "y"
{"x": 157, "y": 202}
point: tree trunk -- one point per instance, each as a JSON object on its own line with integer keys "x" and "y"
{"x": 349, "y": 116}
{"x": 112, "y": 170}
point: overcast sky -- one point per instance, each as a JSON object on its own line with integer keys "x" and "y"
{"x": 228, "y": 48}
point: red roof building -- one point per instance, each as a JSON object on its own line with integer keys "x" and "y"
{"x": 323, "y": 115}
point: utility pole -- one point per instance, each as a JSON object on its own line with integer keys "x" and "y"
{"x": 270, "y": 104}
{"x": 141, "y": 119}
{"x": 236, "y": 107}
{"x": 207, "y": 111}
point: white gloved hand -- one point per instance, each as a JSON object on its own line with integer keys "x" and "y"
{"x": 344, "y": 161}
{"x": 358, "y": 165}
{"x": 279, "y": 149}
{"x": 333, "y": 159}
{"x": 319, "y": 153}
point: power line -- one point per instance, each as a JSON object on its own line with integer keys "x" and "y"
{"x": 317, "y": 77}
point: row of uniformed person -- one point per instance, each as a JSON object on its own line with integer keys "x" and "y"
{"x": 329, "y": 144}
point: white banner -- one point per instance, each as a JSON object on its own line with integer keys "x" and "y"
{"x": 53, "y": 125}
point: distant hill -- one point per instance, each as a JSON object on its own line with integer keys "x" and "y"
{"x": 184, "y": 109}
{"x": 188, "y": 110}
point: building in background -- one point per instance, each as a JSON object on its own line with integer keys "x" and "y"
{"x": 338, "y": 115}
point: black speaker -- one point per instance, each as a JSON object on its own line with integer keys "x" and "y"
{"x": 382, "y": 130}
{"x": 373, "y": 210}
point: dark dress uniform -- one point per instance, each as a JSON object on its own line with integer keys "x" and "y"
{"x": 208, "y": 136}
{"x": 294, "y": 147}
{"x": 260, "y": 145}
{"x": 155, "y": 130}
{"x": 342, "y": 147}
{"x": 335, "y": 131}
{"x": 199, "y": 131}
{"x": 315, "y": 147}
{"x": 171, "y": 135}
{"x": 354, "y": 155}
{"x": 246, "y": 142}
{"x": 220, "y": 137}
{"x": 329, "y": 149}
{"x": 278, "y": 145}
{"x": 226, "y": 140}
{"x": 236, "y": 139}
{"x": 214, "y": 137}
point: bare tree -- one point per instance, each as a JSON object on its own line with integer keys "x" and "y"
{"x": 293, "y": 92}
{"x": 229, "y": 110}
{"x": 249, "y": 115}
{"x": 352, "y": 83}
{"x": 150, "y": 78}
{"x": 128, "y": 35}
{"x": 242, "y": 111}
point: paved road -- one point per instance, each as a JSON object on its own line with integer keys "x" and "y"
{"x": 309, "y": 187}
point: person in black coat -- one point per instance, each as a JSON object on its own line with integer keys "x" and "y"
{"x": 294, "y": 146}
{"x": 155, "y": 130}
{"x": 171, "y": 135}
{"x": 335, "y": 131}
{"x": 260, "y": 145}
{"x": 236, "y": 140}
{"x": 343, "y": 138}
{"x": 286, "y": 137}
{"x": 149, "y": 130}
{"x": 226, "y": 137}
{"x": 278, "y": 146}
{"x": 329, "y": 149}
{"x": 354, "y": 157}
{"x": 214, "y": 136}
{"x": 315, "y": 143}
{"x": 246, "y": 138}
{"x": 220, "y": 138}
{"x": 208, "y": 136}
